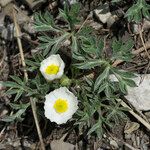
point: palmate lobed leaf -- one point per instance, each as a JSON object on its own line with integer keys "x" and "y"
{"x": 122, "y": 50}
{"x": 89, "y": 45}
{"x": 45, "y": 22}
{"x": 52, "y": 45}
{"x": 70, "y": 15}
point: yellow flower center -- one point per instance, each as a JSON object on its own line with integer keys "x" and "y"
{"x": 52, "y": 69}
{"x": 61, "y": 105}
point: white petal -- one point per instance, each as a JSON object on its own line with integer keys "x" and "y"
{"x": 50, "y": 112}
{"x": 53, "y": 59}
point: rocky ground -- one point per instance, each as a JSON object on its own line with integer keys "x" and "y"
{"x": 129, "y": 134}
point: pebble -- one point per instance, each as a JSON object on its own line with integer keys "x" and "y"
{"x": 35, "y": 4}
{"x": 114, "y": 144}
{"x": 70, "y": 2}
{"x": 102, "y": 13}
{"x": 5, "y": 2}
{"x": 145, "y": 26}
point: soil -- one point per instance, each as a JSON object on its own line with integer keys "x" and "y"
{"x": 23, "y": 135}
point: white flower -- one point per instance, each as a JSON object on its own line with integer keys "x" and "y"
{"x": 52, "y": 67}
{"x": 60, "y": 105}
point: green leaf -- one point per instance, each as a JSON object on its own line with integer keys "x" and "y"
{"x": 74, "y": 44}
{"x": 70, "y": 15}
{"x": 89, "y": 64}
{"x": 85, "y": 31}
{"x": 58, "y": 42}
{"x": 17, "y": 116}
{"x": 101, "y": 77}
{"x": 102, "y": 87}
{"x": 17, "y": 79}
{"x": 124, "y": 79}
{"x": 100, "y": 47}
{"x": 122, "y": 50}
{"x": 122, "y": 86}
{"x": 94, "y": 128}
{"x": 52, "y": 45}
{"x": 45, "y": 22}
{"x": 129, "y": 82}
{"x": 9, "y": 118}
{"x": 123, "y": 73}
{"x": 135, "y": 12}
{"x": 18, "y": 95}
{"x": 115, "y": 1}
{"x": 116, "y": 45}
{"x": 11, "y": 84}
{"x": 89, "y": 45}
{"x": 32, "y": 63}
{"x": 74, "y": 11}
{"x": 11, "y": 91}
{"x": 19, "y": 106}
{"x": 78, "y": 56}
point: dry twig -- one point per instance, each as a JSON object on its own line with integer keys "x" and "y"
{"x": 140, "y": 33}
{"x": 33, "y": 106}
{"x": 140, "y": 119}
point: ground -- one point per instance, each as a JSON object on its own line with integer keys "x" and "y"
{"x": 127, "y": 134}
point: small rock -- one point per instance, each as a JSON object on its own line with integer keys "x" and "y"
{"x": 103, "y": 13}
{"x": 34, "y": 51}
{"x": 114, "y": 144}
{"x": 139, "y": 96}
{"x": 3, "y": 112}
{"x": 95, "y": 25}
{"x": 34, "y": 4}
{"x": 66, "y": 43}
{"x": 4, "y": 2}
{"x": 16, "y": 143}
{"x": 60, "y": 145}
{"x": 111, "y": 20}
{"x": 70, "y": 2}
{"x": 2, "y": 16}
{"x": 127, "y": 136}
{"x": 21, "y": 17}
{"x": 145, "y": 26}
{"x": 7, "y": 33}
